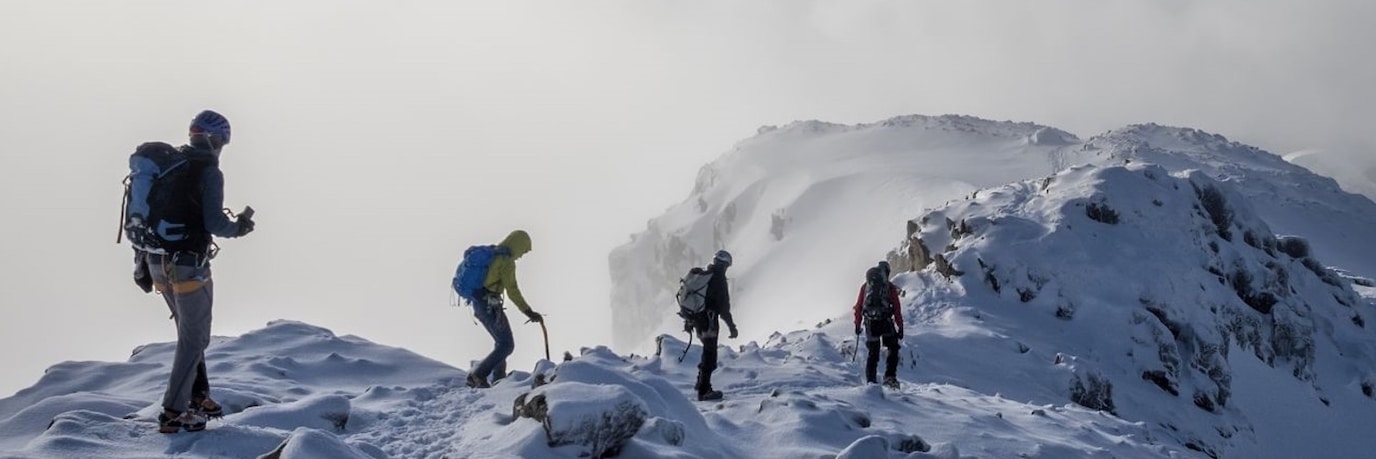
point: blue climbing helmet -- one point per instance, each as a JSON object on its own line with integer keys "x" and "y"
{"x": 213, "y": 125}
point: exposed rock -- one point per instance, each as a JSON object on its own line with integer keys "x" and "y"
{"x": 1094, "y": 392}
{"x": 667, "y": 431}
{"x": 601, "y": 418}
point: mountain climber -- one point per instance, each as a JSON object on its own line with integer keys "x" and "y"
{"x": 718, "y": 305}
{"x": 171, "y": 217}
{"x": 489, "y": 310}
{"x": 879, "y": 315}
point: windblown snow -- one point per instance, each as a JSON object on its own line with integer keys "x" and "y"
{"x": 805, "y": 208}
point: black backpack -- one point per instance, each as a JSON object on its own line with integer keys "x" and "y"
{"x": 876, "y": 306}
{"x": 162, "y": 200}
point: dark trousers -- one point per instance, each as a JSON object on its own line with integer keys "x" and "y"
{"x": 890, "y": 341}
{"x": 495, "y": 322}
{"x": 200, "y": 388}
{"x": 708, "y": 363}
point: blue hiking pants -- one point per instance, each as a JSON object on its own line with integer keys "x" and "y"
{"x": 494, "y": 320}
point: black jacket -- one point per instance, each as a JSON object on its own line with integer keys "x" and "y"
{"x": 718, "y": 299}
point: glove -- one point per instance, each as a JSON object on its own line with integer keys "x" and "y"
{"x": 733, "y": 333}
{"x": 858, "y": 330}
{"x": 900, "y": 333}
{"x": 534, "y": 316}
{"x": 245, "y": 222}
{"x": 687, "y": 325}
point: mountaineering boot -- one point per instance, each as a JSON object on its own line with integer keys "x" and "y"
{"x": 704, "y": 387}
{"x": 187, "y": 420}
{"x": 477, "y": 383}
{"x": 891, "y": 382}
{"x": 204, "y": 406}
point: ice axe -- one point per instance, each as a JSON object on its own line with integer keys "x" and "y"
{"x": 686, "y": 348}
{"x": 857, "y": 348}
{"x": 545, "y": 331}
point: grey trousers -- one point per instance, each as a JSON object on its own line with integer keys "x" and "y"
{"x": 189, "y": 293}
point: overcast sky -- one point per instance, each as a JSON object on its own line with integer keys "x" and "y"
{"x": 378, "y": 139}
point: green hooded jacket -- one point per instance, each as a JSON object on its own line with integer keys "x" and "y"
{"x": 501, "y": 275}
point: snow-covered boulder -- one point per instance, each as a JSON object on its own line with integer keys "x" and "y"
{"x": 601, "y": 418}
{"x": 308, "y": 443}
{"x": 326, "y": 412}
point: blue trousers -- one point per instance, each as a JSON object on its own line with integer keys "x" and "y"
{"x": 495, "y": 321}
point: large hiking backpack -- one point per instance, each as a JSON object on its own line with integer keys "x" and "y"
{"x": 692, "y": 292}
{"x": 876, "y": 306}
{"x": 162, "y": 205}
{"x": 472, "y": 271}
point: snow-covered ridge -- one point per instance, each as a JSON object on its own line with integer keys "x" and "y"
{"x": 1293, "y": 199}
{"x": 1161, "y": 297}
{"x": 1179, "y": 148}
{"x": 825, "y": 196}
{"x": 963, "y": 123}
{"x": 818, "y": 145}
{"x": 829, "y": 199}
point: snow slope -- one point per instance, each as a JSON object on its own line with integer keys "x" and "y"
{"x": 1289, "y": 197}
{"x": 807, "y": 207}
{"x": 302, "y": 392}
{"x": 803, "y": 206}
{"x": 1160, "y": 297}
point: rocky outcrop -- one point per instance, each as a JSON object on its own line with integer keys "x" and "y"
{"x": 1182, "y": 259}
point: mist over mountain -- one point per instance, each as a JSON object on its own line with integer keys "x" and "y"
{"x": 1355, "y": 170}
{"x": 818, "y": 202}
{"x": 822, "y": 201}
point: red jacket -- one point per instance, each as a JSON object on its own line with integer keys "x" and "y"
{"x": 893, "y": 299}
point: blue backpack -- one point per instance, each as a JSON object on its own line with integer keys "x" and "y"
{"x": 472, "y": 271}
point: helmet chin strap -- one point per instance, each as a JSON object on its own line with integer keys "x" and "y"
{"x": 201, "y": 139}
